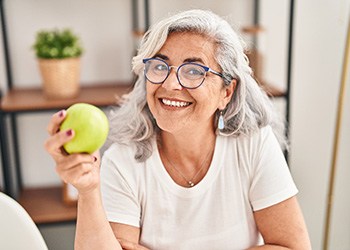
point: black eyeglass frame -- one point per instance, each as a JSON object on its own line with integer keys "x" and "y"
{"x": 206, "y": 69}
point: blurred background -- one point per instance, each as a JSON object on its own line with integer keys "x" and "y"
{"x": 300, "y": 64}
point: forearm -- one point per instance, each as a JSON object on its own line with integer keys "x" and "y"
{"x": 93, "y": 229}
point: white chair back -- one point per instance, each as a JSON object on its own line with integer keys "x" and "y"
{"x": 17, "y": 230}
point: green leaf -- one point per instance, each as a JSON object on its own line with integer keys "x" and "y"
{"x": 57, "y": 44}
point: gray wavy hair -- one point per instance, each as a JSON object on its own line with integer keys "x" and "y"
{"x": 249, "y": 109}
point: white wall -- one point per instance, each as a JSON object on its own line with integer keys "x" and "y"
{"x": 105, "y": 31}
{"x": 105, "y": 28}
{"x": 318, "y": 53}
{"x": 273, "y": 41}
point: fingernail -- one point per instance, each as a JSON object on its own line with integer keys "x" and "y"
{"x": 95, "y": 158}
{"x": 61, "y": 113}
{"x": 69, "y": 132}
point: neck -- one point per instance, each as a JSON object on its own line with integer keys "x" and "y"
{"x": 187, "y": 159}
{"x": 194, "y": 146}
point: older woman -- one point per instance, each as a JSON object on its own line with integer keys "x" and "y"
{"x": 195, "y": 162}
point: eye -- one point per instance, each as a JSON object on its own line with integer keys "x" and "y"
{"x": 160, "y": 67}
{"x": 192, "y": 71}
{"x": 195, "y": 71}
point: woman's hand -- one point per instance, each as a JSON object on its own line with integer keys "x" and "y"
{"x": 80, "y": 170}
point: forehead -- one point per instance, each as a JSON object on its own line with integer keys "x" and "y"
{"x": 185, "y": 45}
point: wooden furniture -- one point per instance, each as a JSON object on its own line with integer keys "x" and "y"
{"x": 45, "y": 204}
{"x": 32, "y": 99}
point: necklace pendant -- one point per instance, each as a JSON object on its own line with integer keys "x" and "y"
{"x": 190, "y": 183}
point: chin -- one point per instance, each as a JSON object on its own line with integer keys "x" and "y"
{"x": 169, "y": 126}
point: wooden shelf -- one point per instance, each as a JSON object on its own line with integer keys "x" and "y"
{"x": 252, "y": 29}
{"x": 45, "y": 205}
{"x": 32, "y": 99}
{"x": 272, "y": 91}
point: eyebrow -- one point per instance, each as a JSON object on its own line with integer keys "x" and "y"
{"x": 161, "y": 56}
{"x": 187, "y": 60}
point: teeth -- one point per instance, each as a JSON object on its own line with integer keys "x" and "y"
{"x": 175, "y": 103}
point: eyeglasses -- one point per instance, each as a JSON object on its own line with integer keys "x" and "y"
{"x": 190, "y": 75}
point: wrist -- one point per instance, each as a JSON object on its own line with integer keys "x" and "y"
{"x": 93, "y": 193}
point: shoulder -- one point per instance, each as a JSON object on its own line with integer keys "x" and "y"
{"x": 119, "y": 161}
{"x": 254, "y": 142}
{"x": 120, "y": 152}
{"x": 257, "y": 136}
{"x": 251, "y": 149}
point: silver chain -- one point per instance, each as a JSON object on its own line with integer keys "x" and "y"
{"x": 191, "y": 181}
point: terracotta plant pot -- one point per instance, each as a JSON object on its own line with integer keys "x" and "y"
{"x": 60, "y": 77}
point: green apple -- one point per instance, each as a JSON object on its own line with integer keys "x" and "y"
{"x": 90, "y": 126}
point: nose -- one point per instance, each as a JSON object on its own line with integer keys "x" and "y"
{"x": 172, "y": 83}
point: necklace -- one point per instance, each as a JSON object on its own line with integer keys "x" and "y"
{"x": 191, "y": 181}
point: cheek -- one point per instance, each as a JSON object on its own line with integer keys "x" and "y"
{"x": 150, "y": 88}
{"x": 219, "y": 94}
{"x": 210, "y": 97}
{"x": 150, "y": 96}
{"x": 150, "y": 91}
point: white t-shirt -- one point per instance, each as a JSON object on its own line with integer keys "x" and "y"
{"x": 246, "y": 174}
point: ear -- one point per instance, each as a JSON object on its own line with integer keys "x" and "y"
{"x": 228, "y": 92}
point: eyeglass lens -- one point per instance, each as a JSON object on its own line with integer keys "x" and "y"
{"x": 190, "y": 75}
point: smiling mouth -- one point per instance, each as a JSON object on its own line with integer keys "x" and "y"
{"x": 178, "y": 104}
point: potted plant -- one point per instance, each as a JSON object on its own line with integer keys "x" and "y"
{"x": 58, "y": 53}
